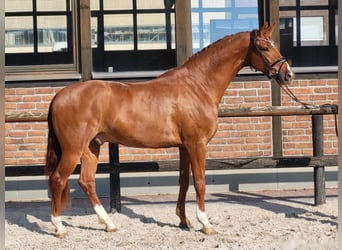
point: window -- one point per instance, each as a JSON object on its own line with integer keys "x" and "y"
{"x": 213, "y": 19}
{"x": 308, "y": 32}
{"x": 133, "y": 35}
{"x": 39, "y": 32}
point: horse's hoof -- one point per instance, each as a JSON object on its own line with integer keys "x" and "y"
{"x": 111, "y": 229}
{"x": 61, "y": 235}
{"x": 209, "y": 231}
{"x": 185, "y": 226}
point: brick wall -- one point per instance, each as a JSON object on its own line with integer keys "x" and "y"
{"x": 25, "y": 143}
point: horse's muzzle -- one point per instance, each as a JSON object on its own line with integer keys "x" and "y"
{"x": 289, "y": 76}
{"x": 285, "y": 75}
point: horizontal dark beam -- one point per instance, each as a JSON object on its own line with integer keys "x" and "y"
{"x": 211, "y": 164}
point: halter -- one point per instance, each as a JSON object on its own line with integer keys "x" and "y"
{"x": 269, "y": 66}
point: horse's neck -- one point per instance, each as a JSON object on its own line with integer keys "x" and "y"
{"x": 218, "y": 65}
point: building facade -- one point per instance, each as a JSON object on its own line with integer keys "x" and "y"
{"x": 137, "y": 39}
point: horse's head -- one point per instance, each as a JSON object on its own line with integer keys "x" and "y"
{"x": 265, "y": 57}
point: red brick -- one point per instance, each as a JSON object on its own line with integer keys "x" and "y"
{"x": 236, "y": 137}
{"x": 47, "y": 90}
{"x": 13, "y": 99}
{"x": 25, "y": 91}
{"x": 26, "y": 106}
{"x": 35, "y": 98}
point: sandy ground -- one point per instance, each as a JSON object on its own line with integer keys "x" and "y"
{"x": 262, "y": 220}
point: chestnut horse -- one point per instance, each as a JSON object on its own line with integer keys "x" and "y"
{"x": 177, "y": 109}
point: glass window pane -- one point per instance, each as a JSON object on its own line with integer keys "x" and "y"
{"x": 18, "y": 5}
{"x": 216, "y": 3}
{"x": 151, "y": 31}
{"x": 195, "y": 31}
{"x": 314, "y": 29}
{"x": 150, "y": 4}
{"x": 93, "y": 24}
{"x": 336, "y": 30}
{"x": 212, "y": 20}
{"x": 118, "y": 32}
{"x": 194, "y": 3}
{"x": 313, "y": 2}
{"x": 118, "y": 5}
{"x": 52, "y": 34}
{"x": 287, "y": 29}
{"x": 51, "y": 5}
{"x": 287, "y": 3}
{"x": 246, "y": 3}
{"x": 94, "y": 4}
{"x": 173, "y": 31}
{"x": 19, "y": 35}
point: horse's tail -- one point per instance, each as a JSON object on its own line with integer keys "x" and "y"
{"x": 53, "y": 156}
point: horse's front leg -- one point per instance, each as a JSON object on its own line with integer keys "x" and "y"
{"x": 184, "y": 176}
{"x": 197, "y": 153}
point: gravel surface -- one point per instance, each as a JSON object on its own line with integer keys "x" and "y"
{"x": 260, "y": 220}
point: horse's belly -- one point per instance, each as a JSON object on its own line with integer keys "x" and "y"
{"x": 144, "y": 136}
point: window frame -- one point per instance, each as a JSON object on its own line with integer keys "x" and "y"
{"x": 315, "y": 58}
{"x": 68, "y": 68}
{"x": 137, "y": 59}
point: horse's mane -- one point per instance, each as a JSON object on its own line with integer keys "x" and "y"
{"x": 210, "y": 46}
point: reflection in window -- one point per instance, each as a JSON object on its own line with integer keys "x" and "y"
{"x": 19, "y": 35}
{"x": 308, "y": 32}
{"x": 52, "y": 34}
{"x": 93, "y": 26}
{"x": 133, "y": 35}
{"x": 151, "y": 31}
{"x": 117, "y": 5}
{"x": 44, "y": 5}
{"x": 126, "y": 29}
{"x": 312, "y": 31}
{"x": 118, "y": 32}
{"x": 37, "y": 31}
{"x": 18, "y": 5}
{"x": 336, "y": 30}
{"x": 150, "y": 4}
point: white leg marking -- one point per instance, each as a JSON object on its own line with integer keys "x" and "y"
{"x": 104, "y": 218}
{"x": 202, "y": 218}
{"x": 57, "y": 222}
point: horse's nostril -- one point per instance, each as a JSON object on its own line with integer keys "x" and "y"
{"x": 289, "y": 76}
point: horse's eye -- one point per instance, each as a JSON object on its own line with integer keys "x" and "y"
{"x": 264, "y": 48}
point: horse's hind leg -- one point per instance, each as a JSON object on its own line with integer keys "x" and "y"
{"x": 60, "y": 191}
{"x": 184, "y": 177}
{"x": 87, "y": 182}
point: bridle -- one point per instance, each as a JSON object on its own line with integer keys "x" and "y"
{"x": 269, "y": 66}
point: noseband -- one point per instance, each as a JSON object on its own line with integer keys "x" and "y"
{"x": 269, "y": 66}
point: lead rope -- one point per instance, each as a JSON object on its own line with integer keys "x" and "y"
{"x": 333, "y": 107}
{"x": 288, "y": 91}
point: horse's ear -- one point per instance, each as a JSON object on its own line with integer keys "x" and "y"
{"x": 266, "y": 30}
{"x": 270, "y": 30}
{"x": 264, "y": 27}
